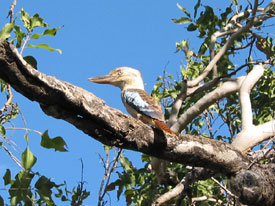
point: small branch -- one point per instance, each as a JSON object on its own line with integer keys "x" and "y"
{"x": 177, "y": 105}
{"x": 224, "y": 188}
{"x": 11, "y": 11}
{"x": 205, "y": 198}
{"x": 226, "y": 46}
{"x": 17, "y": 161}
{"x": 25, "y": 129}
{"x": 8, "y": 102}
{"x": 192, "y": 176}
{"x": 25, "y": 43}
{"x": 262, "y": 154}
{"x": 109, "y": 169}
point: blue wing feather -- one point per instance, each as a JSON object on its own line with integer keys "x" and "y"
{"x": 143, "y": 103}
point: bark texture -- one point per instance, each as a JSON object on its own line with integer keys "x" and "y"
{"x": 110, "y": 126}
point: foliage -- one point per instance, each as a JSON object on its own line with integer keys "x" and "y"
{"x": 140, "y": 185}
{"x": 29, "y": 187}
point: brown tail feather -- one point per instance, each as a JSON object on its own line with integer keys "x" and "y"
{"x": 164, "y": 127}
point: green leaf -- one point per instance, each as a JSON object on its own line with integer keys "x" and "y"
{"x": 2, "y": 130}
{"x": 26, "y": 136}
{"x": 31, "y": 61}
{"x": 182, "y": 20}
{"x": 126, "y": 164}
{"x": 203, "y": 49}
{"x": 183, "y": 9}
{"x": 37, "y": 21}
{"x": 196, "y": 7}
{"x": 1, "y": 201}
{"x": 191, "y": 27}
{"x": 7, "y": 177}
{"x": 44, "y": 186}
{"x": 56, "y": 143}
{"x": 28, "y": 159}
{"x": 45, "y": 46}
{"x": 49, "y": 32}
{"x": 25, "y": 17}
{"x": 6, "y": 30}
{"x": 19, "y": 35}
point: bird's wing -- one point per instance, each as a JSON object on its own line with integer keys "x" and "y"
{"x": 143, "y": 103}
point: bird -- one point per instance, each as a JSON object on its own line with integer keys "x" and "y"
{"x": 137, "y": 101}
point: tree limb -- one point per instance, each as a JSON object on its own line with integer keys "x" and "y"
{"x": 90, "y": 114}
{"x": 220, "y": 92}
{"x": 82, "y": 109}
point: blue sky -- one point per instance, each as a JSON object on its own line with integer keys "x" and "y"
{"x": 97, "y": 37}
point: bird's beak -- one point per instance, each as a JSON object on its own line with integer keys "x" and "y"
{"x": 106, "y": 79}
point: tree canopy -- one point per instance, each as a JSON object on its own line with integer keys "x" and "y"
{"x": 214, "y": 89}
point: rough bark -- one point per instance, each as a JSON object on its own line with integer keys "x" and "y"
{"x": 90, "y": 114}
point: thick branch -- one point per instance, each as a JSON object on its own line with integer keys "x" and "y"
{"x": 248, "y": 83}
{"x": 249, "y": 138}
{"x": 85, "y": 111}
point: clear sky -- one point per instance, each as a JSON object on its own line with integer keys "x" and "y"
{"x": 97, "y": 37}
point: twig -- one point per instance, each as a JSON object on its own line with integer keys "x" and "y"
{"x": 224, "y": 188}
{"x": 197, "y": 173}
{"x": 8, "y": 102}
{"x": 25, "y": 129}
{"x": 12, "y": 156}
{"x": 177, "y": 104}
{"x": 226, "y": 46}
{"x": 25, "y": 43}
{"x": 205, "y": 198}
{"x": 109, "y": 169}
{"x": 264, "y": 154}
{"x": 11, "y": 12}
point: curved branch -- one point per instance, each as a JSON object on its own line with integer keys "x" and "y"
{"x": 222, "y": 91}
{"x": 248, "y": 83}
{"x": 254, "y": 135}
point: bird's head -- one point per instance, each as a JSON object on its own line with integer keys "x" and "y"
{"x": 122, "y": 77}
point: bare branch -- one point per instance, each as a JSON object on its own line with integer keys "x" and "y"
{"x": 252, "y": 136}
{"x": 248, "y": 83}
{"x": 177, "y": 105}
{"x": 11, "y": 12}
{"x": 205, "y": 198}
{"x": 224, "y": 188}
{"x": 14, "y": 158}
{"x": 235, "y": 34}
{"x": 8, "y": 102}
{"x": 192, "y": 176}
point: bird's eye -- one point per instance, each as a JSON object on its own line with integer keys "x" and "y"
{"x": 119, "y": 72}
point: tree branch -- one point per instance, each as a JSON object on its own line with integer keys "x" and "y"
{"x": 248, "y": 83}
{"x": 230, "y": 41}
{"x": 90, "y": 114}
{"x": 222, "y": 91}
{"x": 82, "y": 109}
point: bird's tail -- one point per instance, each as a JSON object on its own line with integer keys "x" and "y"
{"x": 164, "y": 127}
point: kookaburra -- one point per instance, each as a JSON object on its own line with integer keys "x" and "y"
{"x": 137, "y": 102}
